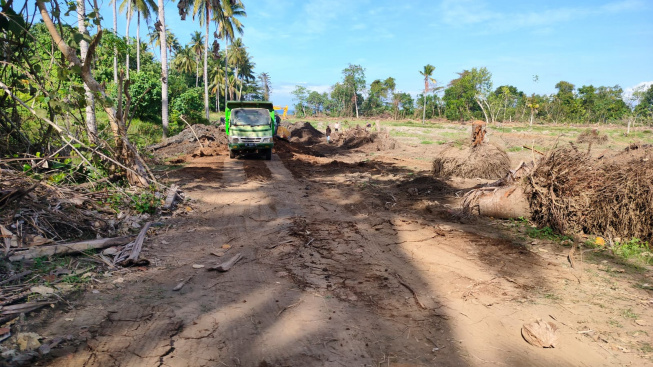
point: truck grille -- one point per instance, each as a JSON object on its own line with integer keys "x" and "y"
{"x": 250, "y": 140}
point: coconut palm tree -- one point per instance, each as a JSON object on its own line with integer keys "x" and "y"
{"x": 143, "y": 7}
{"x": 228, "y": 25}
{"x": 206, "y": 10}
{"x": 184, "y": 60}
{"x": 164, "y": 67}
{"x": 428, "y": 71}
{"x": 217, "y": 80}
{"x": 172, "y": 43}
{"x": 266, "y": 85}
{"x": 198, "y": 47}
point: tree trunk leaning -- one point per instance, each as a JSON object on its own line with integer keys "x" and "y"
{"x": 91, "y": 125}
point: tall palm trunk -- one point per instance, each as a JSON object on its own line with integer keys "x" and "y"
{"x": 115, "y": 50}
{"x": 197, "y": 70}
{"x": 206, "y": 69}
{"x": 91, "y": 125}
{"x": 138, "y": 40}
{"x": 226, "y": 62}
{"x": 129, "y": 18}
{"x": 164, "y": 69}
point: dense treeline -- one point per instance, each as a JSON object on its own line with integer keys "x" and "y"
{"x": 85, "y": 90}
{"x": 472, "y": 96}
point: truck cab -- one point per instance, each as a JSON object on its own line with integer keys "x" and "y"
{"x": 250, "y": 127}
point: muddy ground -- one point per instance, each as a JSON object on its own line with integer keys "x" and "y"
{"x": 351, "y": 257}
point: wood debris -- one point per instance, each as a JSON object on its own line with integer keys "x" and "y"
{"x": 225, "y": 266}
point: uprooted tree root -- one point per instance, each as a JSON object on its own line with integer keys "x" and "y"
{"x": 358, "y": 137}
{"x": 571, "y": 192}
{"x": 484, "y": 161}
{"x": 592, "y": 136}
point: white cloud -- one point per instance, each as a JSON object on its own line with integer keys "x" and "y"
{"x": 628, "y": 92}
{"x": 478, "y": 12}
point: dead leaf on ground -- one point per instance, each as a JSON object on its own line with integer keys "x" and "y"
{"x": 540, "y": 334}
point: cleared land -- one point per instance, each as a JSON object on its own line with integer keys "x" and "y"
{"x": 354, "y": 256}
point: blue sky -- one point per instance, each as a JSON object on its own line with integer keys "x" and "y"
{"x": 310, "y": 42}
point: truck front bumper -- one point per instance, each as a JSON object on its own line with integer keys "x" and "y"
{"x": 250, "y": 146}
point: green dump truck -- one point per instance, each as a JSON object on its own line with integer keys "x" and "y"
{"x": 250, "y": 127}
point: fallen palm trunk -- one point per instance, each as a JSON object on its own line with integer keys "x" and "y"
{"x": 570, "y": 192}
{"x": 503, "y": 199}
{"x": 67, "y": 248}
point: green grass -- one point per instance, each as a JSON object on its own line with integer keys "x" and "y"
{"x": 426, "y": 142}
{"x": 546, "y": 233}
{"x": 515, "y": 149}
{"x": 629, "y": 314}
{"x": 634, "y": 249}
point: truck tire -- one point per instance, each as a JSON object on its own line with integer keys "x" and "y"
{"x": 268, "y": 154}
{"x": 232, "y": 154}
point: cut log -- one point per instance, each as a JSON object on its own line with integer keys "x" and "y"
{"x": 498, "y": 202}
{"x": 225, "y": 266}
{"x": 67, "y": 248}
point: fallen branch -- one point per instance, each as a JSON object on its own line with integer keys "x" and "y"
{"x": 16, "y": 277}
{"x": 173, "y": 194}
{"x": 402, "y": 282}
{"x": 129, "y": 254}
{"x": 225, "y": 266}
{"x": 192, "y": 130}
{"x": 533, "y": 149}
{"x": 21, "y": 308}
{"x": 67, "y": 248}
{"x": 287, "y": 307}
{"x": 183, "y": 283}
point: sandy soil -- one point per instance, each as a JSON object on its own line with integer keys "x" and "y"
{"x": 350, "y": 258}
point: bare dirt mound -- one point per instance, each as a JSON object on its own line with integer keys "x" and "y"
{"x": 571, "y": 192}
{"x": 305, "y": 133}
{"x": 592, "y": 136}
{"x": 212, "y": 138}
{"x": 484, "y": 161}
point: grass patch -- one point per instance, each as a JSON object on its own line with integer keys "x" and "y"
{"x": 634, "y": 249}
{"x": 426, "y": 142}
{"x": 629, "y": 314}
{"x": 515, "y": 149}
{"x": 546, "y": 233}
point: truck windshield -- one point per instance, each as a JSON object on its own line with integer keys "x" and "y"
{"x": 250, "y": 117}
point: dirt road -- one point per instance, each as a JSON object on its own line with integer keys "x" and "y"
{"x": 342, "y": 266}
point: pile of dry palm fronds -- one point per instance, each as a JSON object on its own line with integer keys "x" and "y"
{"x": 570, "y": 191}
{"x": 484, "y": 161}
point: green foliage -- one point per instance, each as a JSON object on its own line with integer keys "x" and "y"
{"x": 634, "y": 249}
{"x": 190, "y": 104}
{"x": 546, "y": 233}
{"x": 145, "y": 202}
{"x": 145, "y": 90}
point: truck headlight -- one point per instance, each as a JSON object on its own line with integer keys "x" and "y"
{"x": 234, "y": 140}
{"x": 265, "y": 140}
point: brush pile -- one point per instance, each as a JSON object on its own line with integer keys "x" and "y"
{"x": 358, "y": 137}
{"x": 592, "y": 136}
{"x": 485, "y": 161}
{"x": 571, "y": 192}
